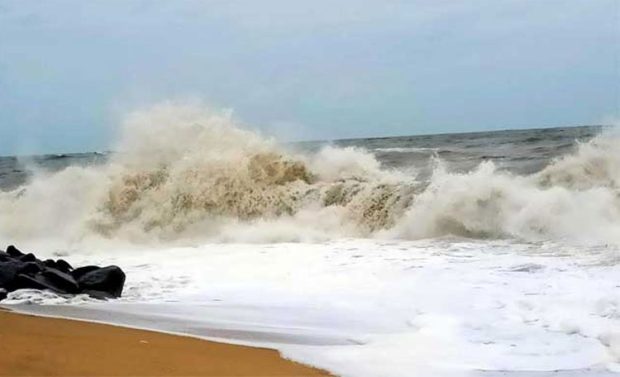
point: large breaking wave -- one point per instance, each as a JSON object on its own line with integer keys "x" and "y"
{"x": 183, "y": 173}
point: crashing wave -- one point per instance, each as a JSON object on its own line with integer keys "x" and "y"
{"x": 184, "y": 172}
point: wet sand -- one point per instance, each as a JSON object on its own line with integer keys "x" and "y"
{"x": 36, "y": 346}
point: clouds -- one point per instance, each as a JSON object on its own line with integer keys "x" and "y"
{"x": 336, "y": 69}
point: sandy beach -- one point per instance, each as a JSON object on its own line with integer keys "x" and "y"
{"x": 35, "y": 346}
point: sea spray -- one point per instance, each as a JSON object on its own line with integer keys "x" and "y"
{"x": 183, "y": 173}
{"x": 186, "y": 172}
{"x": 487, "y": 203}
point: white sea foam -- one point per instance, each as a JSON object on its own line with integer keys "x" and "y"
{"x": 384, "y": 308}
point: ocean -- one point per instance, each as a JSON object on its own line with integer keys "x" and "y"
{"x": 517, "y": 151}
{"x": 483, "y": 254}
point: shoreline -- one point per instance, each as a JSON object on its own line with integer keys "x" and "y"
{"x": 38, "y": 345}
{"x": 215, "y": 324}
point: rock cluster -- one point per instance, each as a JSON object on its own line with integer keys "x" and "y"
{"x": 24, "y": 271}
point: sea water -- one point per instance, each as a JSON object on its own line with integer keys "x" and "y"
{"x": 460, "y": 254}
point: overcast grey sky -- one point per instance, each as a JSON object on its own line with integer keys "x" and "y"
{"x": 305, "y": 69}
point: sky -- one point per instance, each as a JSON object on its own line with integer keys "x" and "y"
{"x": 303, "y": 70}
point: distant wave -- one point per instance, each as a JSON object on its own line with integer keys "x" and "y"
{"x": 185, "y": 173}
{"x": 407, "y": 150}
{"x": 59, "y": 156}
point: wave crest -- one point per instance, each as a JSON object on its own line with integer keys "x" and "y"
{"x": 184, "y": 172}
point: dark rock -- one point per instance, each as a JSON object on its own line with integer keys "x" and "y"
{"x": 28, "y": 258}
{"x": 107, "y": 279}
{"x": 13, "y": 251}
{"x": 49, "y": 263}
{"x": 25, "y": 271}
{"x": 63, "y": 265}
{"x": 30, "y": 268}
{"x": 8, "y": 272}
{"x": 10, "y": 269}
{"x": 34, "y": 282}
{"x": 81, "y": 271}
{"x": 62, "y": 281}
{"x": 99, "y": 295}
{"x": 40, "y": 281}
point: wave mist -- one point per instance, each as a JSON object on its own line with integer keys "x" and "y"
{"x": 183, "y": 173}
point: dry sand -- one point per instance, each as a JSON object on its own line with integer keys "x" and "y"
{"x": 36, "y": 346}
